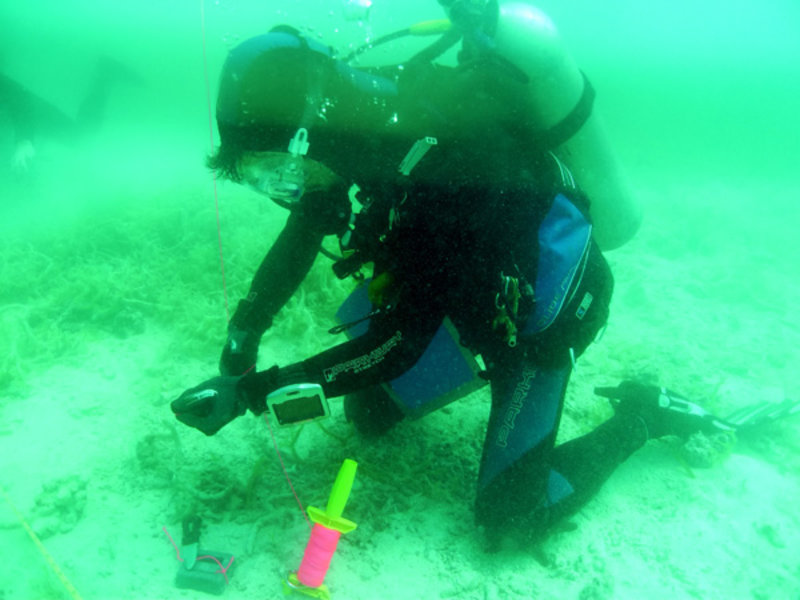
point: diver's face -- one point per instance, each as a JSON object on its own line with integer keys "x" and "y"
{"x": 284, "y": 177}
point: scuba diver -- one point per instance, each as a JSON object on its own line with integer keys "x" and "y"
{"x": 33, "y": 119}
{"x": 469, "y": 216}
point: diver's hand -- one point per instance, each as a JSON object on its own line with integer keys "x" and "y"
{"x": 216, "y": 402}
{"x": 212, "y": 404}
{"x": 240, "y": 352}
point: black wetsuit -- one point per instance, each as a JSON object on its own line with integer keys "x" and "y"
{"x": 33, "y": 117}
{"x": 446, "y": 249}
{"x": 468, "y": 216}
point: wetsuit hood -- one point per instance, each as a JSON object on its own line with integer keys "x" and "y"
{"x": 273, "y": 84}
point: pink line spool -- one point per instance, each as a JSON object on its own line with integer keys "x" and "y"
{"x": 317, "y": 557}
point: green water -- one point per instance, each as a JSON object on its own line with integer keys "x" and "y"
{"x": 112, "y": 302}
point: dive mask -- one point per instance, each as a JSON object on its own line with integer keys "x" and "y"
{"x": 279, "y": 175}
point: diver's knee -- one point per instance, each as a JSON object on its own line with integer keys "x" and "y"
{"x": 372, "y": 411}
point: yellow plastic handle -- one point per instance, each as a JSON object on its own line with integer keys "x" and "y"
{"x": 320, "y": 517}
{"x": 341, "y": 489}
{"x": 430, "y": 27}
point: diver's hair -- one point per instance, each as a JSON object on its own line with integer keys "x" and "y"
{"x": 224, "y": 163}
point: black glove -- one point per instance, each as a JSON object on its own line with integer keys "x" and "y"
{"x": 240, "y": 352}
{"x": 216, "y": 402}
{"x": 212, "y": 404}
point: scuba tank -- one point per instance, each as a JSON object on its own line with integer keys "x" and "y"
{"x": 560, "y": 107}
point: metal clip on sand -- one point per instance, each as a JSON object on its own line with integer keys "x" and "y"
{"x": 202, "y": 570}
{"x": 328, "y": 527}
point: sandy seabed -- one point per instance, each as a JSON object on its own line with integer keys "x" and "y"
{"x": 93, "y": 459}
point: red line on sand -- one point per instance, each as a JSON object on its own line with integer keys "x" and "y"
{"x": 285, "y": 472}
{"x": 222, "y": 269}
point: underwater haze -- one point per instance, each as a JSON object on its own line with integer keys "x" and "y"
{"x": 113, "y": 300}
